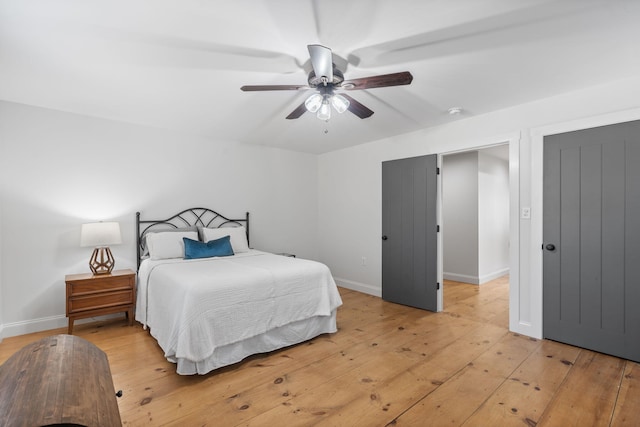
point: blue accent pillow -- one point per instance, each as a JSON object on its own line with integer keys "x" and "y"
{"x": 194, "y": 249}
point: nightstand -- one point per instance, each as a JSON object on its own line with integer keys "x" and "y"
{"x": 91, "y": 295}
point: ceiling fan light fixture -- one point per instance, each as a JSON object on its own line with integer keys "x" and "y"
{"x": 324, "y": 113}
{"x": 340, "y": 103}
{"x": 313, "y": 103}
{"x": 325, "y": 77}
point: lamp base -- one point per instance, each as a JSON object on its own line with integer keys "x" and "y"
{"x": 101, "y": 261}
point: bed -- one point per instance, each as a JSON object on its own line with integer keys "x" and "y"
{"x": 208, "y": 311}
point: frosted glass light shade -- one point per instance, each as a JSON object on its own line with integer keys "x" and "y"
{"x": 340, "y": 103}
{"x": 324, "y": 113}
{"x": 100, "y": 234}
{"x": 313, "y": 103}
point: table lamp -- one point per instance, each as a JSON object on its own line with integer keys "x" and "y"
{"x": 100, "y": 235}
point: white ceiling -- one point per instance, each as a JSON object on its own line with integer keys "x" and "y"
{"x": 179, "y": 64}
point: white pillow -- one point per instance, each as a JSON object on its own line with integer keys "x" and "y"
{"x": 168, "y": 244}
{"x": 145, "y": 245}
{"x": 238, "y": 237}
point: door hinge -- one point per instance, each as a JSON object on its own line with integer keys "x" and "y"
{"x": 437, "y": 228}
{"x": 437, "y": 171}
{"x": 437, "y": 285}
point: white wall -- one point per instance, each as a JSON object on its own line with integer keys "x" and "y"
{"x": 350, "y": 188}
{"x": 460, "y": 217}
{"x": 58, "y": 170}
{"x": 493, "y": 216}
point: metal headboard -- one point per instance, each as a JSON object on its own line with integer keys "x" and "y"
{"x": 197, "y": 217}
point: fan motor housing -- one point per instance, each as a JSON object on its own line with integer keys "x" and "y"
{"x": 315, "y": 81}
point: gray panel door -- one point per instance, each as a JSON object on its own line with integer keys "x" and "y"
{"x": 409, "y": 234}
{"x": 591, "y": 233}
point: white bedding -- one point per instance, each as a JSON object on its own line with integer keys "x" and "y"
{"x": 199, "y": 308}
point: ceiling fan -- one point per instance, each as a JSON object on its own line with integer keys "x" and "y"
{"x": 327, "y": 79}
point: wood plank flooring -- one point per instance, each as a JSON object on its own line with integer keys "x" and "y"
{"x": 388, "y": 365}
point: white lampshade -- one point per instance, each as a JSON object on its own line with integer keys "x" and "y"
{"x": 340, "y": 103}
{"x": 100, "y": 234}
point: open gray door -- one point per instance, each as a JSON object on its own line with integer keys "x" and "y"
{"x": 591, "y": 232}
{"x": 409, "y": 232}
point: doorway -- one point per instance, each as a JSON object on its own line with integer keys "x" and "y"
{"x": 475, "y": 214}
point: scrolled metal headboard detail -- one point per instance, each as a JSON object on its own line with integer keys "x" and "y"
{"x": 192, "y": 217}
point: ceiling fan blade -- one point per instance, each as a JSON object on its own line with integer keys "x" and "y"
{"x": 155, "y": 49}
{"x": 357, "y": 108}
{"x": 297, "y": 112}
{"x": 254, "y": 88}
{"x": 480, "y": 29}
{"x": 322, "y": 61}
{"x": 383, "y": 80}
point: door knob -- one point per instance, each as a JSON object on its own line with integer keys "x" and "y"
{"x": 550, "y": 247}
{"x": 384, "y": 237}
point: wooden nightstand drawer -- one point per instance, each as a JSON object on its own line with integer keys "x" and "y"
{"x": 100, "y": 301}
{"x": 89, "y": 295}
{"x": 112, "y": 283}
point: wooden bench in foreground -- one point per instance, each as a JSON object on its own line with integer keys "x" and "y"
{"x": 59, "y": 380}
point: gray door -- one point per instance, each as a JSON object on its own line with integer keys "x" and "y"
{"x": 409, "y": 234}
{"x": 591, "y": 221}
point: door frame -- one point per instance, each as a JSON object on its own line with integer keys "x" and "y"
{"x": 513, "y": 140}
{"x": 534, "y": 326}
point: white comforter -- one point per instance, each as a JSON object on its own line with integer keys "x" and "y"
{"x": 196, "y": 306}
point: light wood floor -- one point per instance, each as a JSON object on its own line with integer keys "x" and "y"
{"x": 387, "y": 365}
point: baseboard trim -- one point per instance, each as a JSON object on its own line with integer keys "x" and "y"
{"x": 475, "y": 280}
{"x": 360, "y": 287}
{"x": 489, "y": 277}
{"x": 44, "y": 324}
